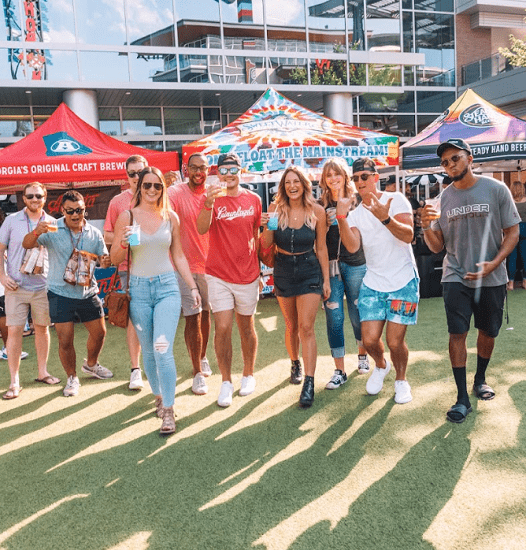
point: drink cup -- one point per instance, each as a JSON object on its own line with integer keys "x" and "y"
{"x": 222, "y": 185}
{"x": 134, "y": 238}
{"x": 435, "y": 204}
{"x": 272, "y": 224}
{"x": 332, "y": 215}
{"x": 52, "y": 226}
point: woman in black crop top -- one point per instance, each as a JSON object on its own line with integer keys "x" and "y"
{"x": 301, "y": 270}
{"x": 346, "y": 273}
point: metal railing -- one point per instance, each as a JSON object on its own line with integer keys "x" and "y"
{"x": 485, "y": 68}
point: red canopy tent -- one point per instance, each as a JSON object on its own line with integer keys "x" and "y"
{"x": 65, "y": 151}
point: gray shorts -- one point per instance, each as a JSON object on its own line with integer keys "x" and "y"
{"x": 187, "y": 302}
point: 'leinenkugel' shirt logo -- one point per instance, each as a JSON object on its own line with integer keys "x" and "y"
{"x": 224, "y": 214}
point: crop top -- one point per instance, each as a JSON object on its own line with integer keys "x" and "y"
{"x": 295, "y": 241}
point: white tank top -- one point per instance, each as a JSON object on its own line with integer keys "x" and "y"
{"x": 152, "y": 256}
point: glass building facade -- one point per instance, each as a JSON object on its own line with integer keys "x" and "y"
{"x": 162, "y": 69}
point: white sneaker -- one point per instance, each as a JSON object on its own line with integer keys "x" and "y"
{"x": 248, "y": 385}
{"x": 402, "y": 392}
{"x": 225, "y": 394}
{"x": 136, "y": 382}
{"x": 199, "y": 386}
{"x": 363, "y": 364}
{"x": 3, "y": 354}
{"x": 98, "y": 371}
{"x": 205, "y": 367}
{"x": 375, "y": 382}
{"x": 72, "y": 386}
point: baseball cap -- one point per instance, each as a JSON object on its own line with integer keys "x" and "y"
{"x": 229, "y": 158}
{"x": 364, "y": 163}
{"x": 457, "y": 143}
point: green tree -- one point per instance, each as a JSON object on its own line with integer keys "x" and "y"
{"x": 516, "y": 53}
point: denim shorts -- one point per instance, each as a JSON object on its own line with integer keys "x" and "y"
{"x": 399, "y": 306}
{"x": 297, "y": 274}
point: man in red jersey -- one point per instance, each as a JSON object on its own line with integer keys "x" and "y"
{"x": 232, "y": 217}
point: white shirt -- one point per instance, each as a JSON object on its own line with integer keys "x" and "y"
{"x": 390, "y": 261}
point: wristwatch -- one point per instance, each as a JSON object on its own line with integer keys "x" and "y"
{"x": 386, "y": 221}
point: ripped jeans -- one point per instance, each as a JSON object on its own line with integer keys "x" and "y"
{"x": 349, "y": 285}
{"x": 155, "y": 308}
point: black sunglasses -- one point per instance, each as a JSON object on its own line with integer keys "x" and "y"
{"x": 134, "y": 174}
{"x": 71, "y": 211}
{"x": 454, "y": 159}
{"x": 37, "y": 196}
{"x": 147, "y": 185}
{"x": 363, "y": 177}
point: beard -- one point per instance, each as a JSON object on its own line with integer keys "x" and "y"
{"x": 461, "y": 175}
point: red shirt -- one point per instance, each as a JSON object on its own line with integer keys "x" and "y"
{"x": 117, "y": 206}
{"x": 188, "y": 204}
{"x": 232, "y": 255}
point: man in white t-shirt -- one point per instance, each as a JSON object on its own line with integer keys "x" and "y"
{"x": 383, "y": 224}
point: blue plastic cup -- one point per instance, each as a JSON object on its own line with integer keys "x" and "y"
{"x": 272, "y": 224}
{"x": 135, "y": 236}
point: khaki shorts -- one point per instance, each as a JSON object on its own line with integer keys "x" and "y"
{"x": 17, "y": 304}
{"x": 187, "y": 302}
{"x": 226, "y": 296}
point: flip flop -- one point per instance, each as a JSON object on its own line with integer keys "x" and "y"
{"x": 484, "y": 392}
{"x": 12, "y": 393}
{"x": 458, "y": 413}
{"x": 51, "y": 380}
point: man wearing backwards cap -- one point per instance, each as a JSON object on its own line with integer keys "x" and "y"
{"x": 232, "y": 270}
{"x": 383, "y": 223}
{"x": 478, "y": 225}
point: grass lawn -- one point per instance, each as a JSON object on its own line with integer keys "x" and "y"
{"x": 353, "y": 472}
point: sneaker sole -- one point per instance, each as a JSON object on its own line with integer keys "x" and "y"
{"x": 403, "y": 402}
{"x": 362, "y": 371}
{"x": 199, "y": 392}
{"x": 130, "y": 387}
{"x": 86, "y": 371}
{"x": 224, "y": 405}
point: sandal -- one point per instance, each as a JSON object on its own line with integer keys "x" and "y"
{"x": 12, "y": 393}
{"x": 484, "y": 392}
{"x": 159, "y": 406}
{"x": 458, "y": 413}
{"x": 168, "y": 425}
{"x": 51, "y": 380}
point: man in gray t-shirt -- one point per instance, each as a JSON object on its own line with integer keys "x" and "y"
{"x": 478, "y": 224}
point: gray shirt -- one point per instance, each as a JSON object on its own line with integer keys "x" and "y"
{"x": 472, "y": 221}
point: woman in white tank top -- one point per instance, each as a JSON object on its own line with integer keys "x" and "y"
{"x": 155, "y": 298}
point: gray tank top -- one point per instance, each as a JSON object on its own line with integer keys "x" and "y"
{"x": 152, "y": 256}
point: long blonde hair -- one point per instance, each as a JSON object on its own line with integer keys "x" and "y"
{"x": 341, "y": 167}
{"x": 282, "y": 200}
{"x": 163, "y": 204}
{"x": 517, "y": 190}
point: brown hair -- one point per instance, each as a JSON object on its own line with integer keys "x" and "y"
{"x": 517, "y": 190}
{"x": 162, "y": 202}
{"x": 35, "y": 184}
{"x": 136, "y": 158}
{"x": 341, "y": 167}
{"x": 282, "y": 200}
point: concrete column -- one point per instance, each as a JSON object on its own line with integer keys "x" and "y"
{"x": 338, "y": 107}
{"x": 84, "y": 104}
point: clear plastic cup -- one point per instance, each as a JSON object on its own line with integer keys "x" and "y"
{"x": 134, "y": 238}
{"x": 52, "y": 226}
{"x": 222, "y": 185}
{"x": 435, "y": 204}
{"x": 332, "y": 214}
{"x": 272, "y": 224}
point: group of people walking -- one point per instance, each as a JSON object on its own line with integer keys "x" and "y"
{"x": 198, "y": 253}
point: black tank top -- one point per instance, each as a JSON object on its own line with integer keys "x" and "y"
{"x": 295, "y": 240}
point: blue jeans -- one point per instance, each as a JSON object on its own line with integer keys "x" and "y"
{"x": 349, "y": 285}
{"x": 512, "y": 258}
{"x": 154, "y": 310}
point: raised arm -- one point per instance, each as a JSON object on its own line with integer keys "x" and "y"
{"x": 119, "y": 251}
{"x": 350, "y": 236}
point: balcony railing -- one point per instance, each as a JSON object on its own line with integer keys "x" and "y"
{"x": 485, "y": 68}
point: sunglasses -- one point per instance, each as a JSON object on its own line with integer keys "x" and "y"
{"x": 454, "y": 159}
{"x": 71, "y": 211}
{"x": 363, "y": 177}
{"x": 133, "y": 174}
{"x": 147, "y": 185}
{"x": 37, "y": 196}
{"x": 224, "y": 171}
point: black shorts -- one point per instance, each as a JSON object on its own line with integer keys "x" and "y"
{"x": 297, "y": 274}
{"x": 461, "y": 302}
{"x": 2, "y": 306}
{"x": 63, "y": 310}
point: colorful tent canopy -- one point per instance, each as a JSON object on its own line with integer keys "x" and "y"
{"x": 276, "y": 132}
{"x": 493, "y": 134}
{"x": 67, "y": 149}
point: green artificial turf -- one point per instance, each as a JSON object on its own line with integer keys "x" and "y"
{"x": 352, "y": 472}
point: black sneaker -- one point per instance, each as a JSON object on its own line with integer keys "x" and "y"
{"x": 296, "y": 374}
{"x": 338, "y": 379}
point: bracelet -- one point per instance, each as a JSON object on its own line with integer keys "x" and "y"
{"x": 426, "y": 228}
{"x": 123, "y": 247}
{"x": 341, "y": 217}
{"x": 386, "y": 221}
{"x": 35, "y": 233}
{"x": 206, "y": 208}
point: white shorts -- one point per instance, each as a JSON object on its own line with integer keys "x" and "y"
{"x": 187, "y": 302}
{"x": 226, "y": 296}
